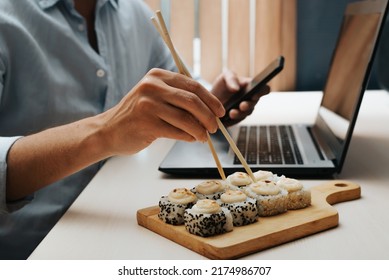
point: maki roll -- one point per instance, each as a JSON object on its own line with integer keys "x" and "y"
{"x": 298, "y": 196}
{"x": 172, "y": 206}
{"x": 243, "y": 209}
{"x": 238, "y": 180}
{"x": 211, "y": 189}
{"x": 271, "y": 199}
{"x": 207, "y": 218}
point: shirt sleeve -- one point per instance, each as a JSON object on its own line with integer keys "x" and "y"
{"x": 5, "y": 144}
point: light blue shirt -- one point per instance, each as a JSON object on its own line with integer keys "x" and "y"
{"x": 50, "y": 75}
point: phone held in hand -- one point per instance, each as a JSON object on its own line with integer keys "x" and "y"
{"x": 252, "y": 88}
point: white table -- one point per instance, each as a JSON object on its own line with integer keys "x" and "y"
{"x": 101, "y": 224}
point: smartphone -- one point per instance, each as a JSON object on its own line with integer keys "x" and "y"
{"x": 255, "y": 85}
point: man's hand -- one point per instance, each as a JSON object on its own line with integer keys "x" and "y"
{"x": 227, "y": 84}
{"x": 162, "y": 104}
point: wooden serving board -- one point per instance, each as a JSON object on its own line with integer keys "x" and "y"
{"x": 267, "y": 231}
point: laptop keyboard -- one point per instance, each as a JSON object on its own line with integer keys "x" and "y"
{"x": 268, "y": 145}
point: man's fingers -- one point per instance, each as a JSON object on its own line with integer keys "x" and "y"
{"x": 184, "y": 121}
{"x": 246, "y": 106}
{"x": 167, "y": 130}
{"x": 191, "y": 86}
{"x": 232, "y": 80}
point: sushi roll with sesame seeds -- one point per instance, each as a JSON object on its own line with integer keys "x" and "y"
{"x": 271, "y": 199}
{"x": 298, "y": 196}
{"x": 172, "y": 206}
{"x": 238, "y": 180}
{"x": 211, "y": 189}
{"x": 207, "y": 218}
{"x": 243, "y": 209}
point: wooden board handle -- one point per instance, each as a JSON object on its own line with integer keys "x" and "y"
{"x": 336, "y": 191}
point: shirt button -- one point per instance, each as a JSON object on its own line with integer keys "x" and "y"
{"x": 100, "y": 73}
{"x": 81, "y": 27}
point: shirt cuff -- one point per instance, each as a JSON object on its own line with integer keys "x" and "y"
{"x": 5, "y": 144}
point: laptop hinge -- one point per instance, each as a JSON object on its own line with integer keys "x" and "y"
{"x": 321, "y": 145}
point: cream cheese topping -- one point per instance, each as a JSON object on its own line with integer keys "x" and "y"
{"x": 210, "y": 187}
{"x": 262, "y": 175}
{"x": 206, "y": 206}
{"x": 233, "y": 196}
{"x": 289, "y": 184}
{"x": 265, "y": 188}
{"x": 181, "y": 196}
{"x": 239, "y": 179}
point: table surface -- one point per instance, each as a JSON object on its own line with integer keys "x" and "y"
{"x": 101, "y": 223}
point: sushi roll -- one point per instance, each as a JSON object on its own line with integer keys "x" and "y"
{"x": 238, "y": 180}
{"x": 172, "y": 206}
{"x": 298, "y": 196}
{"x": 211, "y": 189}
{"x": 243, "y": 209}
{"x": 271, "y": 199}
{"x": 207, "y": 218}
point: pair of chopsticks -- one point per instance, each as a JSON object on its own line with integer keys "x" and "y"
{"x": 160, "y": 25}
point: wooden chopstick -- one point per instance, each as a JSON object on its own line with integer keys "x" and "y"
{"x": 216, "y": 158}
{"x": 235, "y": 149}
{"x": 162, "y": 29}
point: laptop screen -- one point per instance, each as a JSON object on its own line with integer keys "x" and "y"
{"x": 349, "y": 73}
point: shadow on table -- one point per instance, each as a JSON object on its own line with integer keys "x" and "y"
{"x": 367, "y": 159}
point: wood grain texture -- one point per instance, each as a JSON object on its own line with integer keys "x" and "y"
{"x": 289, "y": 44}
{"x": 267, "y": 231}
{"x": 275, "y": 34}
{"x": 182, "y": 28}
{"x": 238, "y": 57}
{"x": 210, "y": 29}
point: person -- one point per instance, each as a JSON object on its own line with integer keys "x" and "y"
{"x": 82, "y": 81}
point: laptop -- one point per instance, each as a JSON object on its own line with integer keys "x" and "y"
{"x": 315, "y": 150}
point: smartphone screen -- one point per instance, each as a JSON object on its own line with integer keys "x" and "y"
{"x": 257, "y": 82}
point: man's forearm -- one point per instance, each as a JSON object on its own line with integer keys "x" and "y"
{"x": 37, "y": 160}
